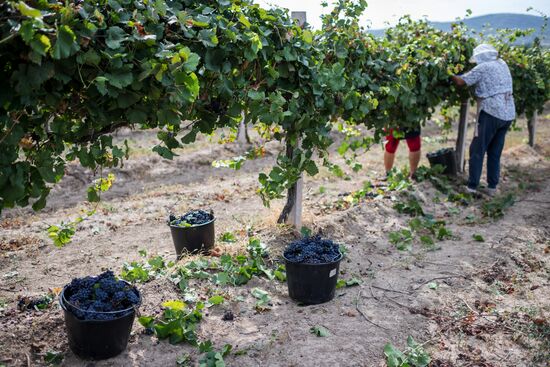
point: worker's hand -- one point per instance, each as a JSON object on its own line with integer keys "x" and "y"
{"x": 458, "y": 80}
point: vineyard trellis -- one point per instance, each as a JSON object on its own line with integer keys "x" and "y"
{"x": 72, "y": 73}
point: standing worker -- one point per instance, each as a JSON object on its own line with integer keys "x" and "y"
{"x": 413, "y": 141}
{"x": 493, "y": 90}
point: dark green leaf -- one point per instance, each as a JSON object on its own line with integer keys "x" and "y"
{"x": 53, "y": 358}
{"x": 65, "y": 44}
{"x": 164, "y": 152}
{"x": 115, "y": 37}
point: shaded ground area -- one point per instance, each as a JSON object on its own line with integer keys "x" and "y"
{"x": 472, "y": 303}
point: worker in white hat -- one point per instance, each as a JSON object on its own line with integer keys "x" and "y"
{"x": 493, "y": 88}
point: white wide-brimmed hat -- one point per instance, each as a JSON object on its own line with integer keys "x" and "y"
{"x": 483, "y": 53}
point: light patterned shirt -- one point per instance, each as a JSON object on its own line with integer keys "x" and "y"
{"x": 493, "y": 86}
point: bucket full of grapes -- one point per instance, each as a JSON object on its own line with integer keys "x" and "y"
{"x": 99, "y": 314}
{"x": 312, "y": 266}
{"x": 192, "y": 232}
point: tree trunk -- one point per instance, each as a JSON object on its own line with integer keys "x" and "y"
{"x": 292, "y": 211}
{"x": 532, "y": 127}
{"x": 242, "y": 132}
{"x": 461, "y": 139}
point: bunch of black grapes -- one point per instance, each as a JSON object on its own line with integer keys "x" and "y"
{"x": 194, "y": 217}
{"x": 312, "y": 250}
{"x": 103, "y": 297}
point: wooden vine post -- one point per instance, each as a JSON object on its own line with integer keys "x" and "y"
{"x": 461, "y": 139}
{"x": 532, "y": 127}
{"x": 300, "y": 16}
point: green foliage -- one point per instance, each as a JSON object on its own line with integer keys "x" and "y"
{"x": 53, "y": 358}
{"x": 529, "y": 66}
{"x": 424, "y": 173}
{"x": 63, "y": 233}
{"x": 425, "y": 227}
{"x": 411, "y": 207}
{"x": 478, "y": 238}
{"x": 319, "y": 331}
{"x": 142, "y": 272}
{"x": 368, "y": 191}
{"x": 496, "y": 207}
{"x": 214, "y": 358}
{"x": 470, "y": 219}
{"x": 402, "y": 239}
{"x": 280, "y": 273}
{"x": 429, "y": 226}
{"x": 343, "y": 250}
{"x": 233, "y": 163}
{"x": 460, "y": 198}
{"x": 38, "y": 303}
{"x": 413, "y": 356}
{"x": 180, "y": 224}
{"x": 353, "y": 143}
{"x": 180, "y": 318}
{"x": 398, "y": 180}
{"x": 240, "y": 269}
{"x": 427, "y": 57}
{"x": 436, "y": 177}
{"x": 341, "y": 283}
{"x": 150, "y": 65}
{"x": 228, "y": 237}
{"x": 73, "y": 76}
{"x": 230, "y": 270}
{"x": 184, "y": 360}
{"x": 215, "y": 300}
{"x": 305, "y": 231}
{"x": 237, "y": 162}
{"x": 178, "y": 323}
{"x": 263, "y": 299}
{"x": 100, "y": 185}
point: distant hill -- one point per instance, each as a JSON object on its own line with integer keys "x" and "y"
{"x": 491, "y": 22}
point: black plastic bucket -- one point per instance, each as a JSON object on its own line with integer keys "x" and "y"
{"x": 98, "y": 339}
{"x": 445, "y": 157}
{"x": 195, "y": 239}
{"x": 312, "y": 284}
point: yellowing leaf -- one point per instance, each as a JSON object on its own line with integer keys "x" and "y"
{"x": 244, "y": 21}
{"x": 175, "y": 59}
{"x": 308, "y": 36}
{"x": 175, "y": 305}
{"x": 27, "y": 11}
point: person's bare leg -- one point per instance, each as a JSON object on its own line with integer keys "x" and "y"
{"x": 414, "y": 159}
{"x": 389, "y": 158}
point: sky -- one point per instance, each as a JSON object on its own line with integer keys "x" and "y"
{"x": 381, "y": 11}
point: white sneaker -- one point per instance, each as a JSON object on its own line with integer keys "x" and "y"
{"x": 470, "y": 191}
{"x": 491, "y": 192}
